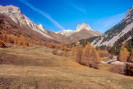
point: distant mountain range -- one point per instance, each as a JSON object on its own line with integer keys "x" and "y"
{"x": 19, "y": 19}
{"x": 82, "y": 31}
{"x": 118, "y": 34}
{"x": 13, "y": 21}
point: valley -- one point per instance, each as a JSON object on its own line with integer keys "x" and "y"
{"x": 40, "y": 53}
{"x": 38, "y": 68}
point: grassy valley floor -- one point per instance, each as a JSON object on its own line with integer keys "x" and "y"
{"x": 37, "y": 68}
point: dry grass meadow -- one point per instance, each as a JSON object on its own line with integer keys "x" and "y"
{"x": 37, "y": 68}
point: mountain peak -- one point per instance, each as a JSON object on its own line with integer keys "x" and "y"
{"x": 18, "y": 17}
{"x": 82, "y": 31}
{"x": 40, "y": 26}
{"x": 83, "y": 26}
{"x": 14, "y": 13}
{"x": 9, "y": 9}
{"x": 67, "y": 32}
{"x": 80, "y": 27}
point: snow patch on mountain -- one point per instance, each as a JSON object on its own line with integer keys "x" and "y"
{"x": 67, "y": 32}
{"x": 83, "y": 26}
{"x": 79, "y": 28}
{"x": 40, "y": 27}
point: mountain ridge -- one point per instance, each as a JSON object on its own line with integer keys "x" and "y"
{"x": 79, "y": 27}
{"x": 111, "y": 36}
{"x": 82, "y": 31}
{"x": 19, "y": 18}
{"x": 65, "y": 36}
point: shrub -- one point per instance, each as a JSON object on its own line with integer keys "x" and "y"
{"x": 55, "y": 52}
{"x": 118, "y": 68}
{"x": 2, "y": 44}
{"x": 61, "y": 53}
{"x": 129, "y": 69}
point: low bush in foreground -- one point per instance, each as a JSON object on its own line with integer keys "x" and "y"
{"x": 118, "y": 68}
{"x": 2, "y": 44}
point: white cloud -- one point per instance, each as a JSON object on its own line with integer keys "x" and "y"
{"x": 74, "y": 6}
{"x": 78, "y": 8}
{"x": 44, "y": 14}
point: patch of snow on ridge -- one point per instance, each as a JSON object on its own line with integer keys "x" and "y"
{"x": 83, "y": 26}
{"x": 79, "y": 28}
{"x": 67, "y": 32}
{"x": 40, "y": 26}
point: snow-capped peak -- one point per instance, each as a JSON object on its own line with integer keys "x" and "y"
{"x": 83, "y": 26}
{"x": 40, "y": 26}
{"x": 80, "y": 27}
{"x": 67, "y": 32}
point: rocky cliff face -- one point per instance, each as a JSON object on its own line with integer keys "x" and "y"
{"x": 19, "y": 18}
{"x": 117, "y": 34}
{"x": 82, "y": 31}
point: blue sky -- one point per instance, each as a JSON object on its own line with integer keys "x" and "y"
{"x": 56, "y": 15}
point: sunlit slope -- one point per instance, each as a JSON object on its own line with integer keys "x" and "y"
{"x": 38, "y": 68}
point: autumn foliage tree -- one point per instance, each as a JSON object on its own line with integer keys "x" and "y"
{"x": 123, "y": 55}
{"x": 78, "y": 51}
{"x": 90, "y": 56}
{"x": 73, "y": 50}
{"x": 14, "y": 39}
{"x": 103, "y": 53}
{"x": 131, "y": 57}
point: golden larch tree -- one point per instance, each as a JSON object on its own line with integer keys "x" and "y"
{"x": 123, "y": 55}
{"x": 131, "y": 57}
{"x": 78, "y": 51}
{"x": 90, "y": 56}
